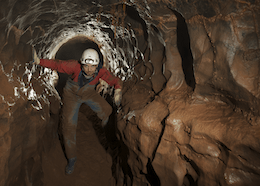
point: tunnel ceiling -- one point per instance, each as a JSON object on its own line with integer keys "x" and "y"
{"x": 112, "y": 24}
{"x": 74, "y": 48}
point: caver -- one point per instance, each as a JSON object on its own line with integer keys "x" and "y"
{"x": 80, "y": 88}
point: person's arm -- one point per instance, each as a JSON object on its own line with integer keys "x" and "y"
{"x": 112, "y": 81}
{"x": 118, "y": 97}
{"x": 67, "y": 67}
{"x": 118, "y": 91}
{"x": 109, "y": 78}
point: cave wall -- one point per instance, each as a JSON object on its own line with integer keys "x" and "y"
{"x": 193, "y": 118}
{"x": 205, "y": 134}
{"x": 27, "y": 129}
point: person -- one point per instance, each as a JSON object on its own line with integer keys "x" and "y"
{"x": 88, "y": 79}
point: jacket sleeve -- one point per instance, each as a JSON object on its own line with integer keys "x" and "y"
{"x": 110, "y": 78}
{"x": 68, "y": 66}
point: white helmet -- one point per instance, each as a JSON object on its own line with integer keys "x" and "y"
{"x": 90, "y": 56}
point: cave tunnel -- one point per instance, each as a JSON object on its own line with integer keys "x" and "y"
{"x": 189, "y": 79}
{"x": 73, "y": 49}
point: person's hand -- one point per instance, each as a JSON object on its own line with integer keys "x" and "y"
{"x": 118, "y": 97}
{"x": 36, "y": 60}
{"x": 102, "y": 86}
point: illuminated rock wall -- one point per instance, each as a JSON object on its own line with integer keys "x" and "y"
{"x": 190, "y": 109}
{"x": 207, "y": 135}
{"x": 27, "y": 100}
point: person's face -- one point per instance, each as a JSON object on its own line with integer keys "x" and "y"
{"x": 89, "y": 69}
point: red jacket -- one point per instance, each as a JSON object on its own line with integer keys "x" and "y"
{"x": 73, "y": 68}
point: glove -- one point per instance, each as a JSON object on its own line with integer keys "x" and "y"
{"x": 36, "y": 60}
{"x": 118, "y": 97}
{"x": 102, "y": 86}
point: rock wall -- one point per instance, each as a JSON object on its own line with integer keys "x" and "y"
{"x": 205, "y": 134}
{"x": 27, "y": 102}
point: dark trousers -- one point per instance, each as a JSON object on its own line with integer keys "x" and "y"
{"x": 73, "y": 97}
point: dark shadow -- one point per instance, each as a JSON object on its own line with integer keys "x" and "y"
{"x": 151, "y": 176}
{"x": 134, "y": 14}
{"x": 183, "y": 44}
{"x": 116, "y": 147}
{"x": 160, "y": 137}
{"x": 123, "y": 165}
{"x": 189, "y": 181}
{"x": 74, "y": 48}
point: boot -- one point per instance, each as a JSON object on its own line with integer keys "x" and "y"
{"x": 70, "y": 165}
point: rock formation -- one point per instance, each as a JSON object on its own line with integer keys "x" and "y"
{"x": 190, "y": 108}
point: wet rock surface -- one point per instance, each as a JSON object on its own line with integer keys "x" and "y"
{"x": 190, "y": 108}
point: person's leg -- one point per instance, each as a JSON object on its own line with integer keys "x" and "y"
{"x": 98, "y": 104}
{"x": 101, "y": 107}
{"x": 70, "y": 111}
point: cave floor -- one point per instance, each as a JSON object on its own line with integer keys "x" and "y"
{"x": 93, "y": 166}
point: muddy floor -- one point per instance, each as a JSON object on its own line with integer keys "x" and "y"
{"x": 93, "y": 166}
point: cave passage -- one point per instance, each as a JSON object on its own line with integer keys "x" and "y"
{"x": 176, "y": 125}
{"x": 96, "y": 146}
{"x": 73, "y": 49}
